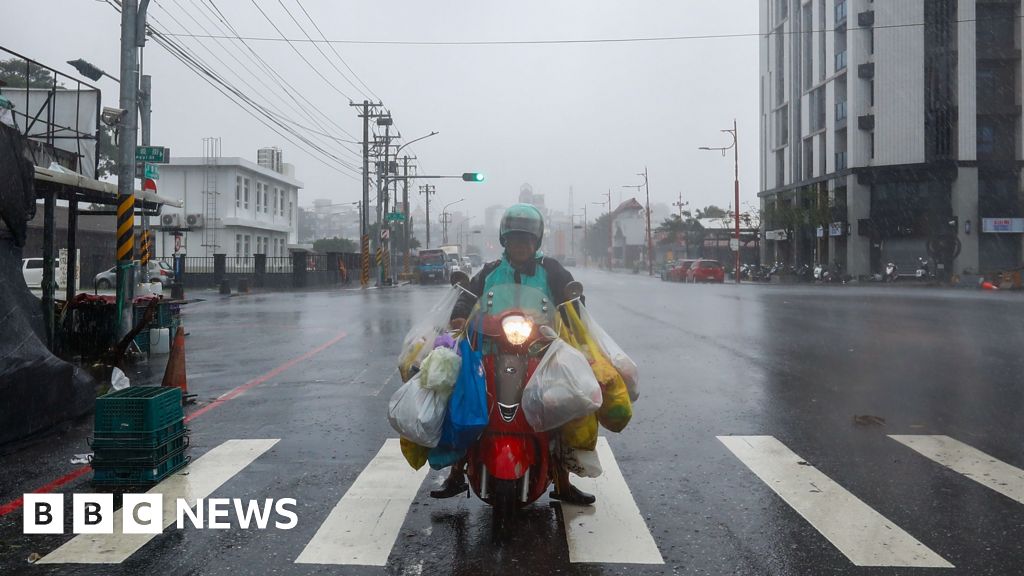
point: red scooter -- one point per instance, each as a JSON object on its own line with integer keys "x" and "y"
{"x": 510, "y": 466}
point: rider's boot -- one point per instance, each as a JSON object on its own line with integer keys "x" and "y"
{"x": 454, "y": 485}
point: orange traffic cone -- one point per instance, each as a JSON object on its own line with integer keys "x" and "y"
{"x": 174, "y": 375}
{"x": 986, "y": 285}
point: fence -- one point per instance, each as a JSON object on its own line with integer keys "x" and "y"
{"x": 300, "y": 270}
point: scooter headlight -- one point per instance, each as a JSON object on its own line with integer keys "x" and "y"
{"x": 517, "y": 329}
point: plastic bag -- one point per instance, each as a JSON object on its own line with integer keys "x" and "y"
{"x": 467, "y": 408}
{"x": 616, "y": 408}
{"x": 415, "y": 454}
{"x": 417, "y": 413}
{"x": 622, "y": 363}
{"x": 440, "y": 369}
{"x": 583, "y": 463}
{"x": 581, "y": 433}
{"x": 561, "y": 389}
{"x": 419, "y": 340}
{"x": 442, "y": 457}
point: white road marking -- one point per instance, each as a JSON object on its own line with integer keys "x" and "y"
{"x": 612, "y": 530}
{"x": 363, "y": 526}
{"x": 198, "y": 480}
{"x": 973, "y": 463}
{"x": 863, "y": 535}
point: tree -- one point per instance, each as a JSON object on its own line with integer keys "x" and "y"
{"x": 598, "y": 238}
{"x": 335, "y": 245}
{"x": 712, "y": 211}
{"x": 14, "y": 72}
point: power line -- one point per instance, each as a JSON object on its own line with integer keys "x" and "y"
{"x": 333, "y": 49}
{"x": 638, "y": 39}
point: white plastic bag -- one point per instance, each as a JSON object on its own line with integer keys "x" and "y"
{"x": 583, "y": 463}
{"x": 562, "y": 388}
{"x": 623, "y": 364}
{"x": 419, "y": 341}
{"x": 417, "y": 413}
{"x": 440, "y": 369}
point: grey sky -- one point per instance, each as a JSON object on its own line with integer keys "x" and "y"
{"x": 587, "y": 116}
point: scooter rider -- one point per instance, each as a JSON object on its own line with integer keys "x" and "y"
{"x": 521, "y": 233}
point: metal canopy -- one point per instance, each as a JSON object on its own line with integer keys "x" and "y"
{"x": 73, "y": 186}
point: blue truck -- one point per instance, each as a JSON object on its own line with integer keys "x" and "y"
{"x": 432, "y": 269}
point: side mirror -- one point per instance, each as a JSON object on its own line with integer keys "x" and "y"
{"x": 460, "y": 278}
{"x": 573, "y": 290}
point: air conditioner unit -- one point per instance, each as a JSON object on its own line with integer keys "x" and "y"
{"x": 194, "y": 220}
{"x": 170, "y": 220}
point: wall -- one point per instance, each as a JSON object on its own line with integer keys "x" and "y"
{"x": 899, "y": 81}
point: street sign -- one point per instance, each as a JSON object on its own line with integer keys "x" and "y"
{"x": 385, "y": 233}
{"x": 151, "y": 171}
{"x": 149, "y": 184}
{"x": 395, "y": 217}
{"x": 734, "y": 244}
{"x": 155, "y": 154}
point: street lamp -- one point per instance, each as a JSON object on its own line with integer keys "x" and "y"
{"x": 736, "y": 207}
{"x": 90, "y": 71}
{"x": 650, "y": 243}
{"x": 444, "y": 218}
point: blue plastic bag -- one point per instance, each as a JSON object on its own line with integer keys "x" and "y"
{"x": 440, "y": 457}
{"x": 467, "y": 414}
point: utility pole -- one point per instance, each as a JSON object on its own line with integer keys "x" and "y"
{"x": 611, "y": 233}
{"x": 680, "y": 204}
{"x": 405, "y": 210}
{"x": 736, "y": 189}
{"x": 428, "y": 190}
{"x": 650, "y": 239}
{"x": 364, "y": 208}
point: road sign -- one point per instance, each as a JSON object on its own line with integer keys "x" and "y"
{"x": 149, "y": 184}
{"x": 155, "y": 154}
{"x": 395, "y": 217}
{"x": 385, "y": 233}
{"x": 734, "y": 244}
{"x": 151, "y": 171}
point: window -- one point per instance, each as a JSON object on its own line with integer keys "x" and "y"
{"x": 808, "y": 46}
{"x": 34, "y": 264}
{"x": 823, "y": 166}
{"x": 248, "y": 246}
{"x": 821, "y": 39}
{"x": 808, "y": 158}
{"x": 238, "y": 191}
{"x": 817, "y": 111}
{"x": 276, "y": 203}
{"x": 872, "y": 138}
{"x": 266, "y": 198}
{"x": 780, "y": 66}
{"x": 782, "y": 126}
{"x": 259, "y": 240}
{"x": 245, "y": 190}
{"x": 259, "y": 196}
{"x": 238, "y": 245}
{"x": 780, "y": 168}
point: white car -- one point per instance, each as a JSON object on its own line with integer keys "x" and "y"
{"x": 32, "y": 270}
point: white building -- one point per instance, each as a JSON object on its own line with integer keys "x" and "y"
{"x": 894, "y": 125}
{"x": 231, "y": 206}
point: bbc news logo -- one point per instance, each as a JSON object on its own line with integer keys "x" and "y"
{"x": 144, "y": 514}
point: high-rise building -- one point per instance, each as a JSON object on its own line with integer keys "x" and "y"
{"x": 890, "y": 130}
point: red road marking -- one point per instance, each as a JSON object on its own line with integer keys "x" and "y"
{"x": 231, "y": 395}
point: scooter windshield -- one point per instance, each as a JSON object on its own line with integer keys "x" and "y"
{"x": 510, "y": 300}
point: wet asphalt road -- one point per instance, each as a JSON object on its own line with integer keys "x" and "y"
{"x": 797, "y": 363}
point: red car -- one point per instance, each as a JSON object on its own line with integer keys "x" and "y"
{"x": 706, "y": 271}
{"x": 677, "y": 272}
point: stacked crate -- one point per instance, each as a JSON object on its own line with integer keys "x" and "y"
{"x": 139, "y": 436}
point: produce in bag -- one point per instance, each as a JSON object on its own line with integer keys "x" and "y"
{"x": 415, "y": 454}
{"x": 418, "y": 341}
{"x": 583, "y": 463}
{"x": 468, "y": 413}
{"x": 616, "y": 408}
{"x": 417, "y": 413}
{"x": 581, "y": 433}
{"x": 440, "y": 369}
{"x": 622, "y": 363}
{"x": 561, "y": 389}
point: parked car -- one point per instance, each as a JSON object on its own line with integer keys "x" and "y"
{"x": 32, "y": 270}
{"x": 706, "y": 271}
{"x": 677, "y": 271}
{"x": 158, "y": 272}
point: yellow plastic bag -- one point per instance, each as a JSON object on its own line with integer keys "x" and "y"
{"x": 616, "y": 408}
{"x": 581, "y": 433}
{"x": 415, "y": 454}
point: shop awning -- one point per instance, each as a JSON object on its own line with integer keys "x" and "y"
{"x": 96, "y": 190}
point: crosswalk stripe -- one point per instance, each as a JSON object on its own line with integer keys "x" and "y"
{"x": 612, "y": 530}
{"x": 363, "y": 526}
{"x": 203, "y": 476}
{"x": 863, "y": 535}
{"x": 973, "y": 463}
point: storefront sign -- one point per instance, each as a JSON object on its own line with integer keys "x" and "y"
{"x": 836, "y": 229}
{"x": 1002, "y": 225}
{"x": 776, "y": 235}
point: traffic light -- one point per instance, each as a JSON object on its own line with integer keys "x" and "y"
{"x": 472, "y": 177}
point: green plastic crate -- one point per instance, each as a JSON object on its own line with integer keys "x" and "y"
{"x": 137, "y": 410}
{"x": 132, "y": 475}
{"x": 104, "y": 441}
{"x": 107, "y": 457}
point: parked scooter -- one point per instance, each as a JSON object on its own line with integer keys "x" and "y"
{"x": 924, "y": 270}
{"x": 891, "y": 273}
{"x": 510, "y": 466}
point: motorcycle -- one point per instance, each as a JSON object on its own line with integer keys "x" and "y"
{"x": 891, "y": 273}
{"x": 924, "y": 270}
{"x": 510, "y": 465}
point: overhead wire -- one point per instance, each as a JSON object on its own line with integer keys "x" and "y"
{"x": 336, "y": 53}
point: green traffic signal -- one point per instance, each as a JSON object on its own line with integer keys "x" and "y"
{"x": 473, "y": 177}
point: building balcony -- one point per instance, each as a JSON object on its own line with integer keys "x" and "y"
{"x": 841, "y": 61}
{"x": 866, "y": 122}
{"x": 841, "y": 12}
{"x": 866, "y": 19}
{"x": 866, "y": 71}
{"x": 1000, "y": 53}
